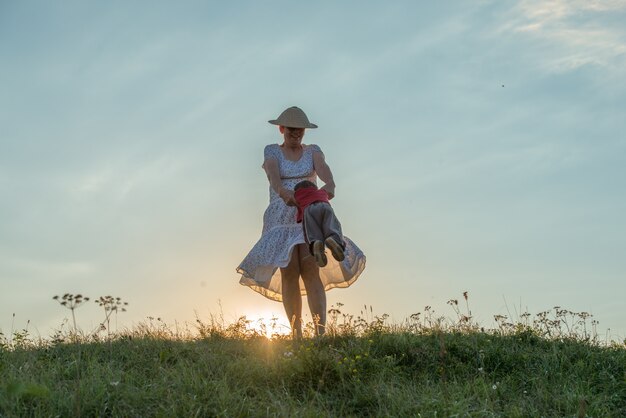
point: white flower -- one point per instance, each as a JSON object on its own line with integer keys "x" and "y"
{"x": 494, "y": 387}
{"x": 288, "y": 354}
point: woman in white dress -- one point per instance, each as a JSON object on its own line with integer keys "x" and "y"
{"x": 279, "y": 266}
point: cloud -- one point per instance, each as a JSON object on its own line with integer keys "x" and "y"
{"x": 579, "y": 32}
{"x": 120, "y": 178}
{"x": 558, "y": 9}
{"x": 28, "y": 268}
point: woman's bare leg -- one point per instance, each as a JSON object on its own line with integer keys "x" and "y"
{"x": 292, "y": 300}
{"x": 316, "y": 296}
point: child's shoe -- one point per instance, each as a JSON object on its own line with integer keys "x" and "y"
{"x": 319, "y": 253}
{"x": 335, "y": 248}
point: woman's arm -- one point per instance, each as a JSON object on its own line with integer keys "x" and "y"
{"x": 323, "y": 172}
{"x": 273, "y": 175}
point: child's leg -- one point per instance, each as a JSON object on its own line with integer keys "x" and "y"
{"x": 333, "y": 237}
{"x": 314, "y": 236}
{"x": 331, "y": 227}
{"x": 308, "y": 242}
{"x": 312, "y": 220}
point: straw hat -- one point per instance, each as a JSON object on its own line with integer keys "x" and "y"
{"x": 293, "y": 117}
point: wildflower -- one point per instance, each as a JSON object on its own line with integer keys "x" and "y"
{"x": 480, "y": 370}
{"x": 494, "y": 387}
{"x": 115, "y": 383}
{"x": 288, "y": 354}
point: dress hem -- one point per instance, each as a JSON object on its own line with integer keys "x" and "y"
{"x": 247, "y": 280}
{"x": 275, "y": 296}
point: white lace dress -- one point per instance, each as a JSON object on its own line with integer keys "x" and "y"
{"x": 260, "y": 268}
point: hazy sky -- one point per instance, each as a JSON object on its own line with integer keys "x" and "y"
{"x": 477, "y": 146}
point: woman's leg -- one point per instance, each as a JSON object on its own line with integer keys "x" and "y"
{"x": 316, "y": 296}
{"x": 292, "y": 300}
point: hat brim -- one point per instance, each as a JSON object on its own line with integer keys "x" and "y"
{"x": 309, "y": 126}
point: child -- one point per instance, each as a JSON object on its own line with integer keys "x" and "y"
{"x": 320, "y": 224}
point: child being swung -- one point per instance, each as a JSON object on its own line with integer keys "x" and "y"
{"x": 321, "y": 226}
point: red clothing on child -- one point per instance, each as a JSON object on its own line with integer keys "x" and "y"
{"x": 306, "y": 196}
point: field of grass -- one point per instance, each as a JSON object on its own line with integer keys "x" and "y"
{"x": 546, "y": 365}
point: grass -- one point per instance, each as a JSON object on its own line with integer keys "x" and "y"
{"x": 427, "y": 366}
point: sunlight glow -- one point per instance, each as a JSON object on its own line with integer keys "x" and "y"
{"x": 268, "y": 324}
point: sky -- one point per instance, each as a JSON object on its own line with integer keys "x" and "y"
{"x": 476, "y": 146}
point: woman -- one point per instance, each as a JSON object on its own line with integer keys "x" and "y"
{"x": 279, "y": 266}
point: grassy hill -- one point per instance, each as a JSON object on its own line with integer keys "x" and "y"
{"x": 364, "y": 367}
